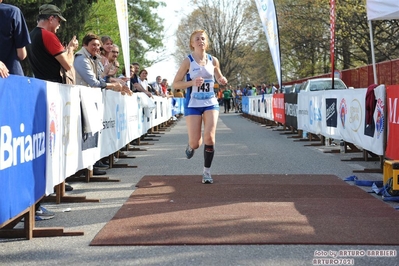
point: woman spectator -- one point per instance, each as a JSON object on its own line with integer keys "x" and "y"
{"x": 143, "y": 79}
{"x": 112, "y": 66}
{"x": 86, "y": 67}
{"x": 105, "y": 49}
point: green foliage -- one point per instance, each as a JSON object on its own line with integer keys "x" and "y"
{"x": 99, "y": 17}
{"x": 145, "y": 27}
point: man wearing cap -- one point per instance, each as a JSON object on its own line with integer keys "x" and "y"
{"x": 46, "y": 54}
{"x": 14, "y": 36}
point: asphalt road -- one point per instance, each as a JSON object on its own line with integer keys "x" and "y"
{"x": 243, "y": 147}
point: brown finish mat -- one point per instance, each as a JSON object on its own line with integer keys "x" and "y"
{"x": 250, "y": 209}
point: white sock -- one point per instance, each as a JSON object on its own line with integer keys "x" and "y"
{"x": 207, "y": 170}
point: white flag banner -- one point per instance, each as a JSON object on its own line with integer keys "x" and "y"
{"x": 382, "y": 9}
{"x": 123, "y": 22}
{"x": 268, "y": 16}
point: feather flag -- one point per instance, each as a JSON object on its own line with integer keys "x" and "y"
{"x": 268, "y": 16}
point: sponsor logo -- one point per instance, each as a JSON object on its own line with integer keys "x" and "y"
{"x": 53, "y": 130}
{"x": 343, "y": 110}
{"x": 20, "y": 149}
{"x": 291, "y": 109}
{"x": 121, "y": 122}
{"x": 355, "y": 115}
{"x": 110, "y": 123}
{"x": 393, "y": 117}
{"x": 379, "y": 123}
{"x": 314, "y": 114}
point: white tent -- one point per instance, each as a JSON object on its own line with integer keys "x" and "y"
{"x": 380, "y": 10}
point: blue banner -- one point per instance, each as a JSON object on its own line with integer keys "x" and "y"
{"x": 23, "y": 114}
{"x": 245, "y": 104}
{"x": 178, "y": 106}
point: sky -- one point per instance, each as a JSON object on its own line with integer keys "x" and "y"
{"x": 172, "y": 13}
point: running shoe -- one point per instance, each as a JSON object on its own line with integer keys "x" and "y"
{"x": 189, "y": 152}
{"x": 207, "y": 178}
{"x": 43, "y": 214}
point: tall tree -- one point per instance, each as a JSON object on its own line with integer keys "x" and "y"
{"x": 145, "y": 26}
{"x": 234, "y": 31}
{"x": 305, "y": 36}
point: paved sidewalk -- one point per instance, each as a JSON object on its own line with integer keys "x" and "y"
{"x": 242, "y": 147}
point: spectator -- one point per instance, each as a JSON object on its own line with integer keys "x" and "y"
{"x": 178, "y": 94}
{"x": 253, "y": 90}
{"x": 263, "y": 88}
{"x": 112, "y": 65}
{"x": 4, "y": 73}
{"x": 134, "y": 81}
{"x": 274, "y": 89}
{"x": 143, "y": 79}
{"x": 48, "y": 58}
{"x": 86, "y": 67}
{"x": 105, "y": 49}
{"x": 226, "y": 99}
{"x": 238, "y": 99}
{"x": 14, "y": 37}
{"x": 87, "y": 74}
{"x": 164, "y": 86}
{"x": 233, "y": 97}
{"x": 46, "y": 54}
{"x": 269, "y": 89}
{"x": 157, "y": 86}
{"x": 170, "y": 93}
{"x": 249, "y": 90}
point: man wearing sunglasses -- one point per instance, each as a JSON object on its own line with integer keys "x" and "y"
{"x": 47, "y": 56}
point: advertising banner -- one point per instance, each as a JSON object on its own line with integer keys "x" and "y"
{"x": 22, "y": 144}
{"x": 279, "y": 108}
{"x": 392, "y": 151}
{"x": 291, "y": 109}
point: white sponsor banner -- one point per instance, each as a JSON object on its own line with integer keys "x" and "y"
{"x": 341, "y": 114}
{"x": 115, "y": 124}
{"x": 69, "y": 149}
{"x": 332, "y": 121}
{"x": 91, "y": 145}
{"x": 72, "y": 130}
{"x": 63, "y": 133}
{"x": 54, "y": 132}
{"x": 252, "y": 105}
{"x": 261, "y": 106}
{"x": 132, "y": 110}
{"x": 310, "y": 111}
{"x": 382, "y": 9}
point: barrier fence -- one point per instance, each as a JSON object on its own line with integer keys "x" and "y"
{"x": 49, "y": 131}
{"x": 338, "y": 114}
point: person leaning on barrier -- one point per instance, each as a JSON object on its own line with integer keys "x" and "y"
{"x": 49, "y": 60}
{"x": 14, "y": 36}
{"x": 134, "y": 80}
{"x": 86, "y": 66}
{"x": 4, "y": 73}
{"x": 47, "y": 56}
